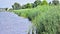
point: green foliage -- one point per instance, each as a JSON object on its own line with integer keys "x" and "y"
{"x": 27, "y": 13}
{"x": 48, "y": 22}
{"x": 37, "y": 2}
{"x": 45, "y": 18}
{"x": 28, "y": 5}
{"x": 16, "y": 6}
{"x": 44, "y": 2}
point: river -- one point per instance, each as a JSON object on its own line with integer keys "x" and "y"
{"x": 11, "y": 23}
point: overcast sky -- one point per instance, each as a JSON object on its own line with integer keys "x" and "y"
{"x": 9, "y": 3}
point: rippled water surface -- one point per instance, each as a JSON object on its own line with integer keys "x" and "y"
{"x": 10, "y": 23}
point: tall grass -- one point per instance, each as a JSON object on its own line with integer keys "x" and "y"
{"x": 28, "y": 13}
{"x": 31, "y": 13}
{"x": 49, "y": 21}
{"x": 45, "y": 18}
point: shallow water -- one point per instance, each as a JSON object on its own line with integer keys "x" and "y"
{"x": 11, "y": 23}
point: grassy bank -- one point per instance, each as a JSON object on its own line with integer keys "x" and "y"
{"x": 45, "y": 18}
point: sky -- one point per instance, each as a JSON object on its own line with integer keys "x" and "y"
{"x": 9, "y": 3}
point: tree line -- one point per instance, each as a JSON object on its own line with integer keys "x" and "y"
{"x": 17, "y": 6}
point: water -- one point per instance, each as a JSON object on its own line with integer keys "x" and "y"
{"x": 11, "y": 23}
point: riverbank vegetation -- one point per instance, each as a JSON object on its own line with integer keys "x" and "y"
{"x": 45, "y": 17}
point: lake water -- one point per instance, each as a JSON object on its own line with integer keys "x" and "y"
{"x": 11, "y": 23}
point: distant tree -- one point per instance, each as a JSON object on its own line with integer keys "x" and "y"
{"x": 37, "y": 2}
{"x": 50, "y": 3}
{"x": 55, "y": 2}
{"x": 32, "y": 5}
{"x": 28, "y": 5}
{"x": 16, "y": 6}
{"x": 23, "y": 6}
{"x": 6, "y": 9}
{"x": 44, "y": 2}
